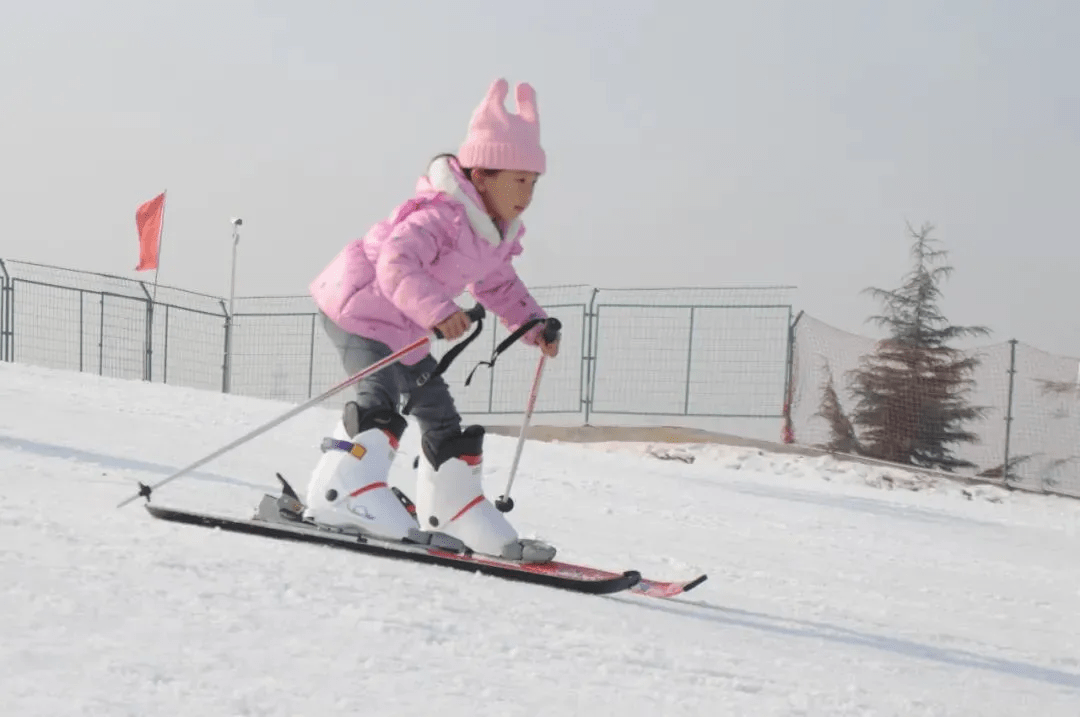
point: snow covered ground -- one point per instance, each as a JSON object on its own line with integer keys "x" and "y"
{"x": 832, "y": 590}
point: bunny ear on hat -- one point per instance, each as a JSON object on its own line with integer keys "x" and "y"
{"x": 526, "y": 102}
{"x": 496, "y": 95}
{"x": 498, "y": 89}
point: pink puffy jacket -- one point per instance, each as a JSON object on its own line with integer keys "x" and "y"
{"x": 400, "y": 280}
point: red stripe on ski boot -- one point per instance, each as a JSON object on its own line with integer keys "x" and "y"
{"x": 468, "y": 506}
{"x": 365, "y": 489}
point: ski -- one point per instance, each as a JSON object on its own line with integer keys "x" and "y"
{"x": 555, "y": 574}
{"x": 281, "y": 518}
{"x": 289, "y": 505}
{"x": 663, "y": 589}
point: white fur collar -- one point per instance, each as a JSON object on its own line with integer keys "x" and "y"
{"x": 442, "y": 177}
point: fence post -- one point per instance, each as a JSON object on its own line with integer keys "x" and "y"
{"x": 584, "y": 342}
{"x": 148, "y": 357}
{"x": 4, "y": 289}
{"x": 689, "y": 364}
{"x": 226, "y": 364}
{"x": 311, "y": 359}
{"x": 491, "y": 374}
{"x": 12, "y": 334}
{"x": 165, "y": 349}
{"x": 101, "y": 338}
{"x": 589, "y": 359}
{"x": 82, "y": 328}
{"x": 1008, "y": 410}
{"x": 788, "y": 431}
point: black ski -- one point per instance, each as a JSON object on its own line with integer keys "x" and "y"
{"x": 577, "y": 578}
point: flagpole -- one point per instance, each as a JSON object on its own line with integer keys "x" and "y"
{"x": 148, "y": 370}
{"x": 161, "y": 242}
{"x": 143, "y": 222}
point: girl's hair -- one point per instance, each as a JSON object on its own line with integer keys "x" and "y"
{"x": 468, "y": 171}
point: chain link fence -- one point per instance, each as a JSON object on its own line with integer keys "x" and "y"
{"x": 655, "y": 352}
{"x": 706, "y": 353}
{"x": 1031, "y": 402}
{"x": 111, "y": 326}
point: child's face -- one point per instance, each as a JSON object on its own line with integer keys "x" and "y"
{"x": 506, "y": 194}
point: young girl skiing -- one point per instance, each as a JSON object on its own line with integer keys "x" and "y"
{"x": 459, "y": 231}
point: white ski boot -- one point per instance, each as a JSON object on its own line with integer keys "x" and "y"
{"x": 450, "y": 499}
{"x": 348, "y": 487}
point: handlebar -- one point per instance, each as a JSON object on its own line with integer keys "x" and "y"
{"x": 551, "y": 330}
{"x": 475, "y": 314}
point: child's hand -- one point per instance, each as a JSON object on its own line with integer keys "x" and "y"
{"x": 548, "y": 340}
{"x": 454, "y": 326}
{"x": 551, "y": 350}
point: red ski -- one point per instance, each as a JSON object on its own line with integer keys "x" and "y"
{"x": 272, "y": 522}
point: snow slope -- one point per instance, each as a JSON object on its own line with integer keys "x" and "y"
{"x": 828, "y": 593}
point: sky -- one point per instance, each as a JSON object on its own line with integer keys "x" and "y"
{"x": 688, "y": 143}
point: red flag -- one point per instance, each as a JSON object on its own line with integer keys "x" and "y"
{"x": 149, "y": 218}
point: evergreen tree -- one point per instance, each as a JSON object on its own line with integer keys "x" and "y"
{"x": 842, "y": 433}
{"x": 912, "y": 392}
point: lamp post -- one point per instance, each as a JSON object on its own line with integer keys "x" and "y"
{"x": 237, "y": 222}
{"x": 226, "y": 379}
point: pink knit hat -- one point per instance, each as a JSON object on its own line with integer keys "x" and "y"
{"x": 500, "y": 140}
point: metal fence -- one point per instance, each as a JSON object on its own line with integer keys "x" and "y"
{"x": 719, "y": 353}
{"x": 1031, "y": 401}
{"x": 65, "y": 319}
{"x": 692, "y": 353}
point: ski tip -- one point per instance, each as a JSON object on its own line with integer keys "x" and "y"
{"x": 695, "y": 582}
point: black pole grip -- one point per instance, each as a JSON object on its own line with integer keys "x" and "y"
{"x": 551, "y": 330}
{"x": 475, "y": 314}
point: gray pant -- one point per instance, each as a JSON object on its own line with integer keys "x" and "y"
{"x": 433, "y": 407}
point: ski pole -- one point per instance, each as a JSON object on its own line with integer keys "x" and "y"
{"x": 475, "y": 314}
{"x": 551, "y": 332}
